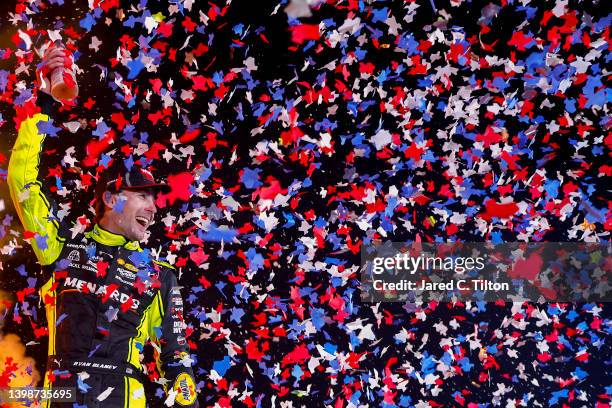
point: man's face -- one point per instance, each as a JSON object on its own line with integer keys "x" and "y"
{"x": 132, "y": 213}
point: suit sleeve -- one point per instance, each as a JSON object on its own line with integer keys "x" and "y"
{"x": 167, "y": 330}
{"x": 33, "y": 206}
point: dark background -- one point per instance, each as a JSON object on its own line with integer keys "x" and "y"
{"x": 275, "y": 326}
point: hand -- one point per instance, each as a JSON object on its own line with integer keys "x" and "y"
{"x": 56, "y": 56}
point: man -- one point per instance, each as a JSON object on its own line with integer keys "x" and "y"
{"x": 105, "y": 296}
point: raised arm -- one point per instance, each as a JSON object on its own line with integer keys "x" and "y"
{"x": 167, "y": 330}
{"x": 33, "y": 206}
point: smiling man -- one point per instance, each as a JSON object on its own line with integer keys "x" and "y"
{"x": 125, "y": 203}
{"x": 105, "y": 296}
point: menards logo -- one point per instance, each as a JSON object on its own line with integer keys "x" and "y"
{"x": 99, "y": 290}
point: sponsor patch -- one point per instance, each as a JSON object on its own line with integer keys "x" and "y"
{"x": 99, "y": 290}
{"x": 126, "y": 265}
{"x": 74, "y": 256}
{"x": 185, "y": 389}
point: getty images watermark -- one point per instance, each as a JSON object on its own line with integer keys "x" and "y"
{"x": 538, "y": 272}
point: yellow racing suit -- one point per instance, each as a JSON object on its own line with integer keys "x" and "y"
{"x": 104, "y": 298}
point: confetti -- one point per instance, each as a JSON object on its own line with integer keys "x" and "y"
{"x": 292, "y": 135}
